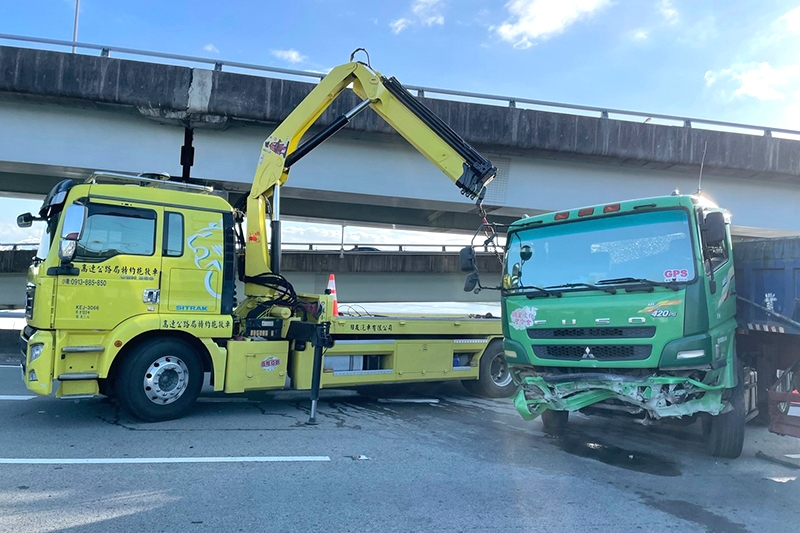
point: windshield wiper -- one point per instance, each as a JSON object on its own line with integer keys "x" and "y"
{"x": 643, "y": 281}
{"x": 532, "y": 291}
{"x": 609, "y": 290}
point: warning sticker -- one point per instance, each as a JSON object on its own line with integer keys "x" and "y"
{"x": 270, "y": 363}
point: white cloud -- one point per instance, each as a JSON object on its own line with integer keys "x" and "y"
{"x": 399, "y": 25}
{"x": 640, "y": 35}
{"x": 543, "y": 19}
{"x": 668, "y": 11}
{"x": 423, "y": 12}
{"x": 792, "y": 20}
{"x": 291, "y": 56}
{"x": 211, "y": 48}
{"x": 428, "y": 12}
{"x": 761, "y": 81}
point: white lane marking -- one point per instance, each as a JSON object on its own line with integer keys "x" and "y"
{"x": 10, "y": 366}
{"x": 793, "y": 455}
{"x": 160, "y": 460}
{"x": 15, "y": 397}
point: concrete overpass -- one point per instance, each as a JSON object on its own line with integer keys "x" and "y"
{"x": 63, "y": 115}
{"x": 361, "y": 276}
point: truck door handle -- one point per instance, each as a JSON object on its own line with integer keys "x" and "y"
{"x": 151, "y": 296}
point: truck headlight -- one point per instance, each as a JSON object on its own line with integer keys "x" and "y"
{"x": 691, "y": 354}
{"x": 36, "y": 351}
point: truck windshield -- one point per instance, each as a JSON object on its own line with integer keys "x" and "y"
{"x": 653, "y": 246}
{"x": 44, "y": 244}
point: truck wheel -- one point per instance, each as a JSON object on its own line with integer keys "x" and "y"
{"x": 554, "y": 422}
{"x": 159, "y": 380}
{"x": 724, "y": 434}
{"x": 494, "y": 377}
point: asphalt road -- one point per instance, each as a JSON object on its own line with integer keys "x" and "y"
{"x": 462, "y": 464}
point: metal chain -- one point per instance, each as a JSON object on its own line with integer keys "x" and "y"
{"x": 490, "y": 231}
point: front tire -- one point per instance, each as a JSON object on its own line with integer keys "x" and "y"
{"x": 724, "y": 433}
{"x": 159, "y": 380}
{"x": 554, "y": 422}
{"x": 494, "y": 376}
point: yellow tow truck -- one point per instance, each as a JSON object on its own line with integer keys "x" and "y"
{"x": 132, "y": 292}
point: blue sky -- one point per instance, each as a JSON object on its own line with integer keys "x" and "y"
{"x": 729, "y": 60}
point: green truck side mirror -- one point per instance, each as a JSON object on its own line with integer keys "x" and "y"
{"x": 466, "y": 259}
{"x": 714, "y": 228}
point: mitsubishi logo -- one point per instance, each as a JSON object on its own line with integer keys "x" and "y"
{"x": 588, "y": 354}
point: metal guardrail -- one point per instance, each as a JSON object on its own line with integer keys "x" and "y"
{"x": 509, "y": 101}
{"x": 376, "y": 247}
{"x": 14, "y": 246}
{"x": 324, "y": 247}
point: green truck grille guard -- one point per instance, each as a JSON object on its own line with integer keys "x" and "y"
{"x": 666, "y": 396}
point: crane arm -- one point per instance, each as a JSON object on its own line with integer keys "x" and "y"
{"x": 416, "y": 123}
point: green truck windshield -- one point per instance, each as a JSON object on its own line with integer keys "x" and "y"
{"x": 653, "y": 245}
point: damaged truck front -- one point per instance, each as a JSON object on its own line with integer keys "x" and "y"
{"x": 627, "y": 309}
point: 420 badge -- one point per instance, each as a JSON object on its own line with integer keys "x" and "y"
{"x": 660, "y": 309}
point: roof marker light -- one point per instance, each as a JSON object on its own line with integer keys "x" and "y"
{"x": 562, "y": 216}
{"x": 611, "y": 208}
{"x": 586, "y": 211}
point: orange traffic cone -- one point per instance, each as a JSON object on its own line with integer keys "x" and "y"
{"x": 332, "y": 288}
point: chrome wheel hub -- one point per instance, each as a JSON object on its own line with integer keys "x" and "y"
{"x": 166, "y": 380}
{"x": 499, "y": 371}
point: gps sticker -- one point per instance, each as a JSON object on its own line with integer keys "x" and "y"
{"x": 678, "y": 274}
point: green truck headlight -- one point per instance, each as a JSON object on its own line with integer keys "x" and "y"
{"x": 36, "y": 351}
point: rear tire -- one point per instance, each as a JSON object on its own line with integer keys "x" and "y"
{"x": 724, "y": 434}
{"x": 494, "y": 377}
{"x": 554, "y": 422}
{"x": 159, "y": 380}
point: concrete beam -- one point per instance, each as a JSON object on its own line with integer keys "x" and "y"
{"x": 17, "y": 261}
{"x": 200, "y": 96}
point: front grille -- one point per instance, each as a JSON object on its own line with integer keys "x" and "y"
{"x": 578, "y": 352}
{"x": 643, "y": 332}
{"x": 30, "y": 292}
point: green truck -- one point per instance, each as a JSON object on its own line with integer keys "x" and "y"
{"x": 627, "y": 309}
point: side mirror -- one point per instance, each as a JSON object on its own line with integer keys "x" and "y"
{"x": 25, "y": 220}
{"x": 71, "y": 232}
{"x": 525, "y": 253}
{"x": 74, "y": 217}
{"x": 466, "y": 260}
{"x": 471, "y": 282}
{"x": 714, "y": 228}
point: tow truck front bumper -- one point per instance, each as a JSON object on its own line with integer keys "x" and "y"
{"x": 37, "y": 366}
{"x": 659, "y": 397}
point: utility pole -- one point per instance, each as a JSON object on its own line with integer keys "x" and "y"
{"x": 75, "y": 26}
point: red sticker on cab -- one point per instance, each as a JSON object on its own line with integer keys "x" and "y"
{"x": 678, "y": 273}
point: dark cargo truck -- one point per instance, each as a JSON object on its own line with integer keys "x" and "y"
{"x": 768, "y": 317}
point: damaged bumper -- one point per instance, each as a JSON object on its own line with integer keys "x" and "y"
{"x": 659, "y": 397}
